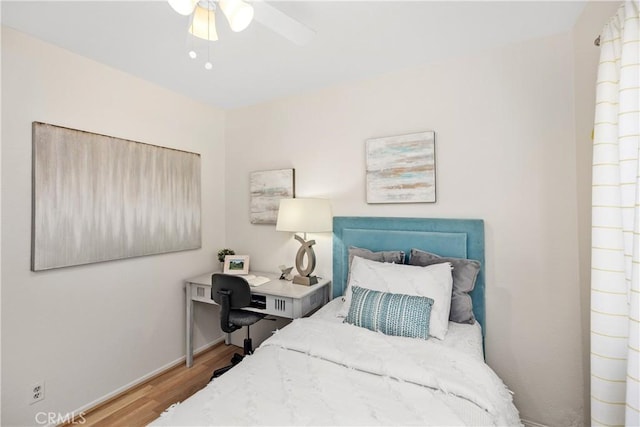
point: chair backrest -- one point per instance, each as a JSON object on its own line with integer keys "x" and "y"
{"x": 236, "y": 287}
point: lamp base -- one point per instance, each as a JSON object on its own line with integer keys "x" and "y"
{"x": 305, "y": 280}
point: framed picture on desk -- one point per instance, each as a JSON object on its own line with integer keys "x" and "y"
{"x": 236, "y": 264}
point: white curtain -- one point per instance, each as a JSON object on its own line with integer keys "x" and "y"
{"x": 615, "y": 271}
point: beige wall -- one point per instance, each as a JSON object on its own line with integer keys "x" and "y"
{"x": 90, "y": 330}
{"x": 505, "y": 153}
{"x": 513, "y": 128}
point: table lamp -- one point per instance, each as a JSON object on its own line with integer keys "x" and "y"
{"x": 305, "y": 216}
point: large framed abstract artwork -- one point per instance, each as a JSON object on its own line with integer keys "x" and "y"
{"x": 266, "y": 189}
{"x": 401, "y": 169}
{"x": 99, "y": 198}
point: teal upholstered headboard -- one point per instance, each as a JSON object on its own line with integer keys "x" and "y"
{"x": 458, "y": 238}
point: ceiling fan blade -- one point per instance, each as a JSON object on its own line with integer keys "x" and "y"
{"x": 282, "y": 23}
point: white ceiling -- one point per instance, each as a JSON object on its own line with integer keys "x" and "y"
{"x": 354, "y": 40}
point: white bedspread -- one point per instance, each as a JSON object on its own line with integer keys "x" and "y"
{"x": 315, "y": 372}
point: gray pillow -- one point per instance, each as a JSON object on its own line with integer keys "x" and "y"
{"x": 396, "y": 257}
{"x": 465, "y": 272}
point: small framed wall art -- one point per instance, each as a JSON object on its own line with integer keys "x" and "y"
{"x": 267, "y": 188}
{"x": 236, "y": 264}
{"x": 401, "y": 169}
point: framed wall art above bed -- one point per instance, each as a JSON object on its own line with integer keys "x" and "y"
{"x": 401, "y": 169}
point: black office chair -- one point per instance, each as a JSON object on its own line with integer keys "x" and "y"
{"x": 233, "y": 293}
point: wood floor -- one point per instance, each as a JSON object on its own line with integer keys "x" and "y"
{"x": 144, "y": 403}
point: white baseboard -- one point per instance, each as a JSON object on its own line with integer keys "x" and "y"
{"x": 528, "y": 423}
{"x": 142, "y": 379}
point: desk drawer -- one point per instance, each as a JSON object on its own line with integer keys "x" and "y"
{"x": 201, "y": 293}
{"x": 279, "y": 306}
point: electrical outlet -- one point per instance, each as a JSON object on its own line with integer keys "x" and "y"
{"x": 36, "y": 392}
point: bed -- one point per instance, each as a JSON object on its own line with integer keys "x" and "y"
{"x": 337, "y": 367}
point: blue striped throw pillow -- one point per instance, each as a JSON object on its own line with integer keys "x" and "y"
{"x": 391, "y": 314}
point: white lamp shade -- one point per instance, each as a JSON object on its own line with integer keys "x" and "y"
{"x": 183, "y": 7}
{"x": 304, "y": 215}
{"x": 238, "y": 13}
{"x": 203, "y": 24}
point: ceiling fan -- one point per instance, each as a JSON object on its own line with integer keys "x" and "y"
{"x": 239, "y": 15}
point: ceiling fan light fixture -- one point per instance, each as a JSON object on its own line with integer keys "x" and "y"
{"x": 183, "y": 7}
{"x": 238, "y": 13}
{"x": 203, "y": 24}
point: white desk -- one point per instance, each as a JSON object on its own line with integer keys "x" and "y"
{"x": 281, "y": 298}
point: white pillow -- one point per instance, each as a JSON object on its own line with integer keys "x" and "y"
{"x": 433, "y": 281}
